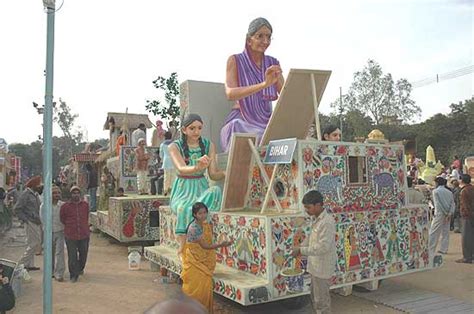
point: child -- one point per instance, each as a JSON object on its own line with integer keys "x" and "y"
{"x": 321, "y": 250}
{"x": 199, "y": 258}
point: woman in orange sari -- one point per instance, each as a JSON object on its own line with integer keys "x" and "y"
{"x": 199, "y": 258}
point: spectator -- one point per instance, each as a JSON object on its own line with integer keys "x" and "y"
{"x": 444, "y": 208}
{"x": 92, "y": 183}
{"x": 27, "y": 210}
{"x": 138, "y": 134}
{"x": 75, "y": 217}
{"x": 467, "y": 220}
{"x": 414, "y": 196}
{"x": 58, "y": 234}
{"x": 455, "y": 220}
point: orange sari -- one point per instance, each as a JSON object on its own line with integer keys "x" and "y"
{"x": 198, "y": 267}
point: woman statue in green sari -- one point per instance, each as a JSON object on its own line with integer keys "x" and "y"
{"x": 192, "y": 155}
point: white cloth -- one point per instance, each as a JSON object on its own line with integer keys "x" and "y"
{"x": 58, "y": 254}
{"x": 320, "y": 297}
{"x": 443, "y": 201}
{"x": 455, "y": 174}
{"x": 439, "y": 227}
{"x": 168, "y": 179}
{"x": 141, "y": 182}
{"x": 33, "y": 240}
{"x": 321, "y": 249}
{"x": 415, "y": 196}
{"x": 57, "y": 224}
{"x": 136, "y": 135}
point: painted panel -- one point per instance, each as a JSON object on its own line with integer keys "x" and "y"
{"x": 325, "y": 168}
{"x": 248, "y": 253}
{"x": 286, "y": 232}
{"x": 287, "y": 176}
{"x": 130, "y": 220}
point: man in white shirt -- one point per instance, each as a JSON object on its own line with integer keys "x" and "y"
{"x": 414, "y": 196}
{"x": 138, "y": 134}
{"x": 58, "y": 234}
{"x": 321, "y": 251}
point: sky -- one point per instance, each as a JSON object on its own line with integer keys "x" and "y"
{"x": 108, "y": 52}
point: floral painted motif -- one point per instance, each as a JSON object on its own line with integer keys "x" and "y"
{"x": 248, "y": 251}
{"x": 287, "y": 175}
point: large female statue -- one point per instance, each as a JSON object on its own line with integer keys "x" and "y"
{"x": 192, "y": 155}
{"x": 253, "y": 81}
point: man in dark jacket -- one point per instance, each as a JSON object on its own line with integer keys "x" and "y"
{"x": 75, "y": 217}
{"x": 467, "y": 219}
{"x": 7, "y": 298}
{"x": 27, "y": 210}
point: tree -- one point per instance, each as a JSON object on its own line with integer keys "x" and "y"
{"x": 375, "y": 94}
{"x": 69, "y": 143}
{"x": 170, "y": 109}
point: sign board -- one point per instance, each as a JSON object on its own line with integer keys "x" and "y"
{"x": 295, "y": 109}
{"x": 280, "y": 151}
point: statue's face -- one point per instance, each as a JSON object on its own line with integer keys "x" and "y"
{"x": 193, "y": 131}
{"x": 260, "y": 41}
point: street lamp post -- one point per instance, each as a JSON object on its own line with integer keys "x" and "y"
{"x": 50, "y": 6}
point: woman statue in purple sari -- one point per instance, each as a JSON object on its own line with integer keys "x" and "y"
{"x": 253, "y": 81}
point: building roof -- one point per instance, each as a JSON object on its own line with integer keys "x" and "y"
{"x": 132, "y": 120}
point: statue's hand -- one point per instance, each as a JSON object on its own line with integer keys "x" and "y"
{"x": 272, "y": 74}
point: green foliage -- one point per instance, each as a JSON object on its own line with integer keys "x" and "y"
{"x": 376, "y": 95}
{"x": 170, "y": 109}
{"x": 31, "y": 156}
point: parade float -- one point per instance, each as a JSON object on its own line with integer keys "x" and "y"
{"x": 131, "y": 217}
{"x": 364, "y": 187}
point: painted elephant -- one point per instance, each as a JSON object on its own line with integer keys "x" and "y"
{"x": 383, "y": 180}
{"x": 329, "y": 184}
{"x": 258, "y": 295}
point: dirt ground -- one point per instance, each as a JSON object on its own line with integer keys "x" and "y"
{"x": 109, "y": 287}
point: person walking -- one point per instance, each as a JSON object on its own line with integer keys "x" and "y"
{"x": 74, "y": 214}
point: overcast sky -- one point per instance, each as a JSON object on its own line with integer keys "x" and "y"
{"x": 108, "y": 52}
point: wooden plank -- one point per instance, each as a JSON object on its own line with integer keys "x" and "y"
{"x": 429, "y": 304}
{"x": 445, "y": 305}
{"x": 463, "y": 308}
{"x": 295, "y": 106}
{"x": 270, "y": 186}
{"x": 404, "y": 302}
{"x": 391, "y": 298}
{"x": 237, "y": 172}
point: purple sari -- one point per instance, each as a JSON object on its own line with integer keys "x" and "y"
{"x": 255, "y": 110}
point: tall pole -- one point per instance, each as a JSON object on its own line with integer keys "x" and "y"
{"x": 47, "y": 162}
{"x": 341, "y": 109}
